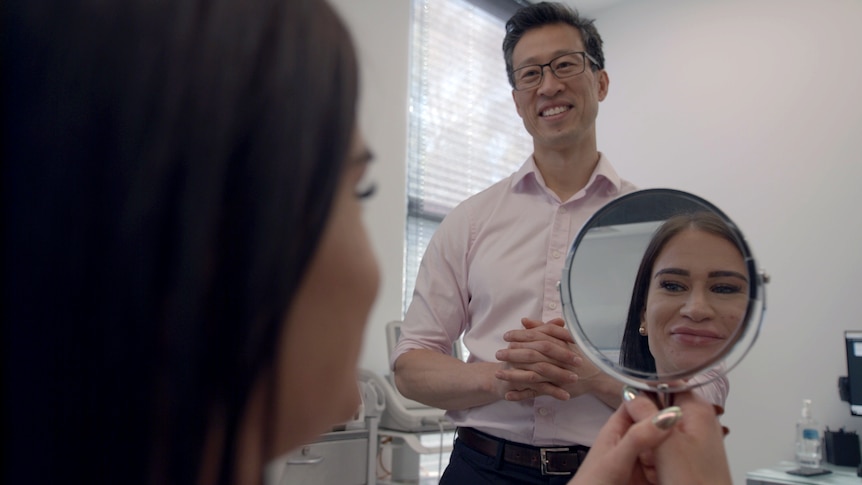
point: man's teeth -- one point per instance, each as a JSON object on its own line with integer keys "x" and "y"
{"x": 555, "y": 111}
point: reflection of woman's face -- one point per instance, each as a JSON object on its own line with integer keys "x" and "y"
{"x": 697, "y": 297}
{"x": 316, "y": 380}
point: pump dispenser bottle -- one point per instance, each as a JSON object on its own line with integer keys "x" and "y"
{"x": 808, "y": 452}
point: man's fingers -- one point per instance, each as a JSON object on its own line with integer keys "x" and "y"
{"x": 541, "y": 332}
{"x": 530, "y": 324}
{"x": 519, "y": 352}
{"x": 536, "y": 373}
{"x": 541, "y": 389}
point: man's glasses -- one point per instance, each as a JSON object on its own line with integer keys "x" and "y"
{"x": 562, "y": 66}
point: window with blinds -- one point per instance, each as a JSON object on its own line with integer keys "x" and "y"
{"x": 464, "y": 133}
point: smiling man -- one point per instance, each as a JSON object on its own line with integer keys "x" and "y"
{"x": 527, "y": 403}
{"x": 558, "y": 85}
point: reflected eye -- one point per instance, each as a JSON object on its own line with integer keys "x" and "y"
{"x": 671, "y": 286}
{"x": 726, "y": 289}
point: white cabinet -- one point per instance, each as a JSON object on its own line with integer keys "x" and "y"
{"x": 337, "y": 458}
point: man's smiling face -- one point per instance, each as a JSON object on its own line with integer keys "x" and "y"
{"x": 557, "y": 113}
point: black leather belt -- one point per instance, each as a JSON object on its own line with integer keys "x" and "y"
{"x": 551, "y": 461}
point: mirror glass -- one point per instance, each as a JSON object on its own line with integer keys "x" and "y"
{"x": 660, "y": 287}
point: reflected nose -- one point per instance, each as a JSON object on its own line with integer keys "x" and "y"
{"x": 549, "y": 84}
{"x": 697, "y": 307}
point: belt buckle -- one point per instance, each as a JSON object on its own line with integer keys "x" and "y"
{"x": 543, "y": 453}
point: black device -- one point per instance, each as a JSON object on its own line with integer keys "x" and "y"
{"x": 850, "y": 386}
{"x": 841, "y": 447}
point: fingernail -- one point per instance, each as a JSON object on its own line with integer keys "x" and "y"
{"x": 667, "y": 417}
{"x": 629, "y": 393}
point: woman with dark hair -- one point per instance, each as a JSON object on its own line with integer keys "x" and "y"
{"x": 186, "y": 275}
{"x": 689, "y": 298}
{"x": 182, "y": 185}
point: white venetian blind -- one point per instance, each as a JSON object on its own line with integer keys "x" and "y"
{"x": 464, "y": 133}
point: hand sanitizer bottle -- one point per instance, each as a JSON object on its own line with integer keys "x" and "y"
{"x": 808, "y": 454}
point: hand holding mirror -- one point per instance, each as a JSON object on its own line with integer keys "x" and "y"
{"x": 660, "y": 290}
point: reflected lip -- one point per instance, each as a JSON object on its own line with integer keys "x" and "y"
{"x": 696, "y": 332}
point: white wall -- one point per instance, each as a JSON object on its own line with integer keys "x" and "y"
{"x": 756, "y": 106}
{"x": 752, "y": 104}
{"x": 381, "y": 30}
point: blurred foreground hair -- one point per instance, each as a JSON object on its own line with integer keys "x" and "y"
{"x": 168, "y": 169}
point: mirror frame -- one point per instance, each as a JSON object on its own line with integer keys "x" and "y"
{"x": 651, "y": 205}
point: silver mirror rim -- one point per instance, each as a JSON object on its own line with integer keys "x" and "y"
{"x": 722, "y": 363}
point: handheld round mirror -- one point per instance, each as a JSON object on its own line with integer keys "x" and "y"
{"x": 661, "y": 290}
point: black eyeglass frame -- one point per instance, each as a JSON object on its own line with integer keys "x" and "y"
{"x": 548, "y": 64}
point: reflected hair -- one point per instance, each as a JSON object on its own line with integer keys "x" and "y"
{"x": 169, "y": 169}
{"x": 548, "y": 13}
{"x": 634, "y": 351}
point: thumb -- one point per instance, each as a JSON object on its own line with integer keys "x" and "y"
{"x": 647, "y": 433}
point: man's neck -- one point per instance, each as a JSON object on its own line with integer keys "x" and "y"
{"x": 566, "y": 171}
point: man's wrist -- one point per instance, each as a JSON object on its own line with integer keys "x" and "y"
{"x": 608, "y": 390}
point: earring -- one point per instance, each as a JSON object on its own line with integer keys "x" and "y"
{"x": 642, "y": 331}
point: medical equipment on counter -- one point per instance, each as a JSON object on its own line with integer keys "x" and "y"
{"x": 347, "y": 455}
{"x": 416, "y": 439}
{"x": 402, "y": 414}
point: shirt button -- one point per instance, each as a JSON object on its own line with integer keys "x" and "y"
{"x": 556, "y": 254}
{"x": 552, "y": 306}
{"x": 543, "y": 411}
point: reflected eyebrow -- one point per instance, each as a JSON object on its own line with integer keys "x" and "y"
{"x": 712, "y": 274}
{"x": 676, "y": 271}
{"x": 725, "y": 273}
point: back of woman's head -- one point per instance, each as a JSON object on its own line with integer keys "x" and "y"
{"x": 169, "y": 167}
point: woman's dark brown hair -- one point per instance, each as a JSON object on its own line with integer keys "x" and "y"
{"x": 168, "y": 169}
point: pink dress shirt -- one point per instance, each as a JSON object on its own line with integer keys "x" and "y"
{"x": 497, "y": 257}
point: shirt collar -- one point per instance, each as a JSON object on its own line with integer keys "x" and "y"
{"x": 604, "y": 175}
